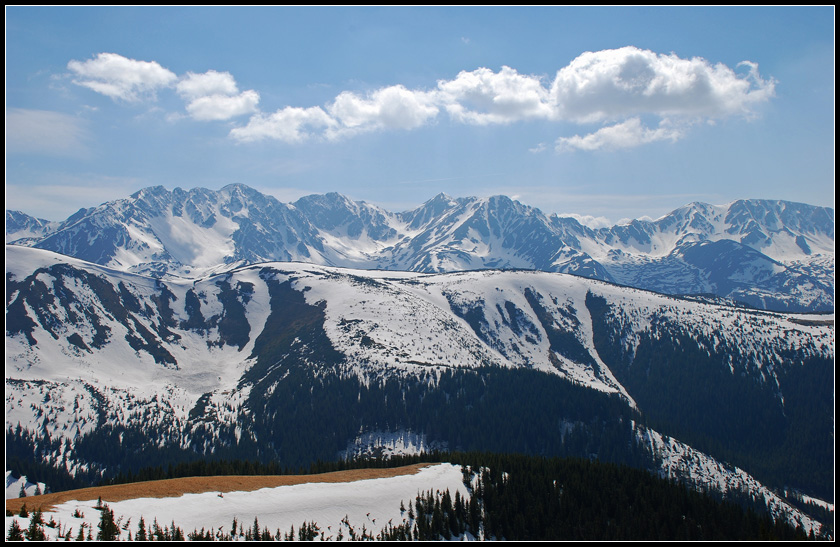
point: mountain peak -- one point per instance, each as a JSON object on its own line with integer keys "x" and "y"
{"x": 238, "y": 188}
{"x": 149, "y": 192}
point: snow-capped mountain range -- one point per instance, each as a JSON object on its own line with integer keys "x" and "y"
{"x": 263, "y": 359}
{"x": 768, "y": 254}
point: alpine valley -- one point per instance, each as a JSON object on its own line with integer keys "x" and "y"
{"x": 177, "y": 325}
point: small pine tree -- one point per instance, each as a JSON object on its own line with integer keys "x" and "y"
{"x": 23, "y": 512}
{"x": 141, "y": 531}
{"x": 108, "y": 529}
{"x": 38, "y": 490}
{"x": 22, "y": 493}
{"x": 35, "y": 532}
{"x": 15, "y": 532}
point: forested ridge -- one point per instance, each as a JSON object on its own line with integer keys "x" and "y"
{"x": 491, "y": 409}
{"x": 782, "y": 431}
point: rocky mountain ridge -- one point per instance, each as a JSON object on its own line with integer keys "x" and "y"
{"x": 769, "y": 254}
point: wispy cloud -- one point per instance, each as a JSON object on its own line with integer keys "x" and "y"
{"x": 589, "y": 221}
{"x": 46, "y": 133}
{"x": 59, "y": 194}
{"x": 610, "y": 87}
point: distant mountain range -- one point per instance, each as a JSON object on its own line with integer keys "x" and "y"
{"x": 774, "y": 255}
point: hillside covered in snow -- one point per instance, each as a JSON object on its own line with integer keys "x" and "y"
{"x": 107, "y": 371}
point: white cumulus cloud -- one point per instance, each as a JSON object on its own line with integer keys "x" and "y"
{"x": 627, "y": 134}
{"x": 290, "y": 125}
{"x": 222, "y": 107}
{"x": 193, "y": 86}
{"x": 485, "y": 97}
{"x": 215, "y": 96}
{"x": 619, "y": 83}
{"x": 393, "y": 107}
{"x": 122, "y": 78}
{"x": 616, "y": 88}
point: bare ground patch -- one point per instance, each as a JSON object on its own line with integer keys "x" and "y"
{"x": 196, "y": 485}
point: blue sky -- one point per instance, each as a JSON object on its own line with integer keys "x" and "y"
{"x": 603, "y": 112}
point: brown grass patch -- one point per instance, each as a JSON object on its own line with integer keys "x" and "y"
{"x": 196, "y": 485}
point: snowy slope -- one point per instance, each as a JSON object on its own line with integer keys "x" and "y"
{"x": 90, "y": 347}
{"x": 381, "y": 322}
{"x": 334, "y": 507}
{"x": 679, "y": 461}
{"x": 13, "y": 486}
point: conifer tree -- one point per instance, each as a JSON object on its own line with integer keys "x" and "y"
{"x": 141, "y": 530}
{"x": 35, "y": 532}
{"x": 108, "y": 529}
{"x": 15, "y": 532}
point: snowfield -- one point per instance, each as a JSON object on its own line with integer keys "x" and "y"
{"x": 335, "y": 507}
